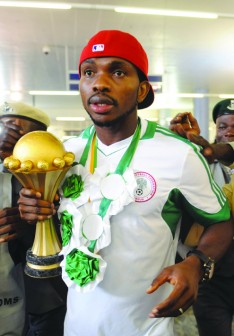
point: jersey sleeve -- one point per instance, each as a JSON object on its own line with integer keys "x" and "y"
{"x": 202, "y": 197}
{"x": 228, "y": 190}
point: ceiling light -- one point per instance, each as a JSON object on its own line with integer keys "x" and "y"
{"x": 181, "y": 95}
{"x": 165, "y": 12}
{"x": 54, "y": 93}
{"x": 36, "y": 4}
{"x": 129, "y": 10}
{"x": 5, "y": 92}
{"x": 190, "y": 95}
{"x": 226, "y": 96}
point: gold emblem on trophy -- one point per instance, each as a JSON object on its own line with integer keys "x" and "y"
{"x": 40, "y": 162}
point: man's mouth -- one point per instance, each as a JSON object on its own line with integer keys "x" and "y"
{"x": 101, "y": 104}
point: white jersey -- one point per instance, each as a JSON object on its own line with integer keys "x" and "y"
{"x": 170, "y": 174}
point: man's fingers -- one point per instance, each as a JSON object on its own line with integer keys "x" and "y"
{"x": 32, "y": 208}
{"x": 194, "y": 124}
{"x": 29, "y": 193}
{"x": 178, "y": 128}
{"x": 8, "y": 237}
{"x": 37, "y": 203}
{"x": 36, "y": 210}
{"x": 9, "y": 220}
{"x": 8, "y": 228}
{"x": 158, "y": 281}
{"x": 173, "y": 303}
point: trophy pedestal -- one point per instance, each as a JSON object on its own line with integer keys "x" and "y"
{"x": 43, "y": 259}
{"x": 43, "y": 266}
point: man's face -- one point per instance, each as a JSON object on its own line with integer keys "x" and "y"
{"x": 110, "y": 89}
{"x": 225, "y": 128}
{"x": 11, "y": 130}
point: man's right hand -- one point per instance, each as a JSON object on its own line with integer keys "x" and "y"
{"x": 32, "y": 208}
{"x": 185, "y": 125}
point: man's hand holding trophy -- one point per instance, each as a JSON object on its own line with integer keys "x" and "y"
{"x": 40, "y": 162}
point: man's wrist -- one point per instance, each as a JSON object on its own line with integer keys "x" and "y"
{"x": 223, "y": 152}
{"x": 206, "y": 262}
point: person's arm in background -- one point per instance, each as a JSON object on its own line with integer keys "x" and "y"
{"x": 11, "y": 225}
{"x": 186, "y": 125}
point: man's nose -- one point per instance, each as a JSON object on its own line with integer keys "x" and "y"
{"x": 101, "y": 83}
{"x": 230, "y": 131}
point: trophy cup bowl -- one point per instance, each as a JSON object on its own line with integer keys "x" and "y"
{"x": 40, "y": 162}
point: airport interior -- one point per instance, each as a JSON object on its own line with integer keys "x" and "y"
{"x": 190, "y": 48}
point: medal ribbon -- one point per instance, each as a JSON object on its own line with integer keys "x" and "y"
{"x": 120, "y": 169}
{"x": 81, "y": 267}
{"x": 85, "y": 153}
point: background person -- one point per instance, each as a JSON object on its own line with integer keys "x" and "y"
{"x": 186, "y": 125}
{"x": 121, "y": 206}
{"x": 214, "y": 306}
{"x": 45, "y": 298}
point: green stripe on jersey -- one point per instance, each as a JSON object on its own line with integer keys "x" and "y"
{"x": 197, "y": 149}
{"x": 177, "y": 203}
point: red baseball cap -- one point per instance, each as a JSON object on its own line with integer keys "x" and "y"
{"x": 115, "y": 43}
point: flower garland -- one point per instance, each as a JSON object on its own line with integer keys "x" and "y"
{"x": 87, "y": 203}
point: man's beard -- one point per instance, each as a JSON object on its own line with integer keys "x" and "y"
{"x": 116, "y": 121}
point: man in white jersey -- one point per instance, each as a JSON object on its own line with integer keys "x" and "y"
{"x": 121, "y": 204}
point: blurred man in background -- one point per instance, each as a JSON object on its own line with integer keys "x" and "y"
{"x": 45, "y": 299}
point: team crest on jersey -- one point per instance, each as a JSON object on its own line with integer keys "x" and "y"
{"x": 146, "y": 186}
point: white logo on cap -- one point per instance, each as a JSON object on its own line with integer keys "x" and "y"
{"x": 98, "y": 47}
{"x": 231, "y": 107}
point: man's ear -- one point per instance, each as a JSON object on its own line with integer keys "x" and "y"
{"x": 143, "y": 90}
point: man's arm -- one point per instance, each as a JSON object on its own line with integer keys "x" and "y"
{"x": 222, "y": 151}
{"x": 185, "y": 276}
{"x": 186, "y": 125}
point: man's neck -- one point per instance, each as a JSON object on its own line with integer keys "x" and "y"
{"x": 116, "y": 133}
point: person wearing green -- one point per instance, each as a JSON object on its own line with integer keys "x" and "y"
{"x": 120, "y": 225}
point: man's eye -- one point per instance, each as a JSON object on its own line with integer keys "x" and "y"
{"x": 119, "y": 73}
{"x": 88, "y": 73}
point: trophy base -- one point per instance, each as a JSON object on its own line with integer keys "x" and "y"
{"x": 43, "y": 266}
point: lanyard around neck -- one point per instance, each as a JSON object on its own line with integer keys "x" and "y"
{"x": 120, "y": 169}
{"x": 125, "y": 160}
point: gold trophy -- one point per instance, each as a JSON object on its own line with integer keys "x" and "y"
{"x": 40, "y": 162}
